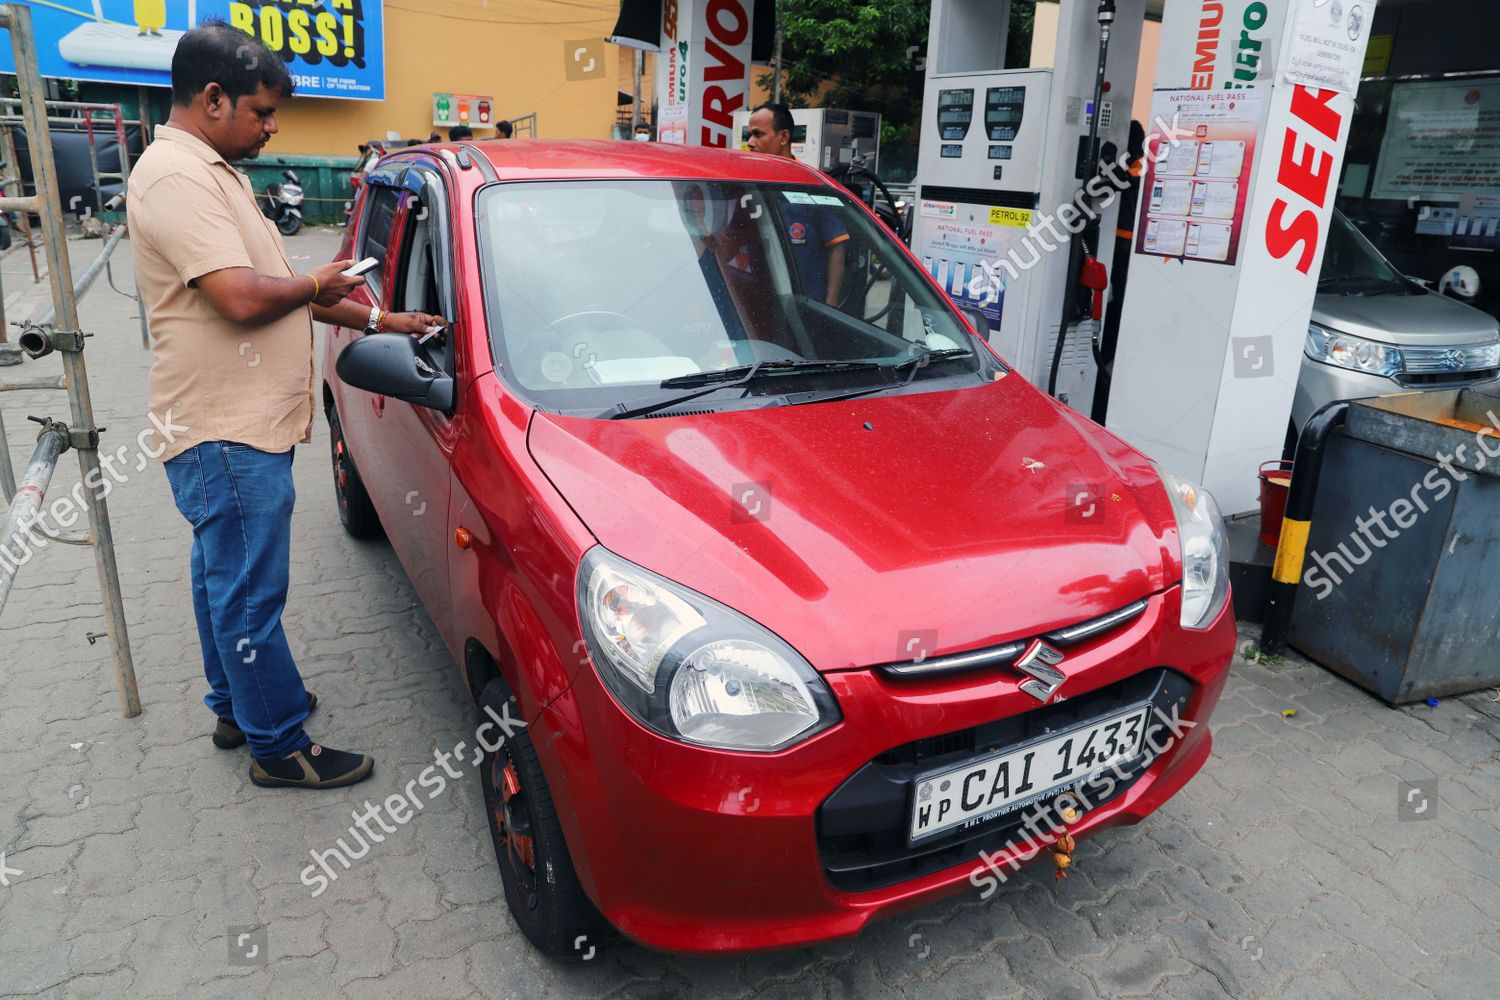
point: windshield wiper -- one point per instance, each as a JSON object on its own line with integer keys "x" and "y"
{"x": 728, "y": 378}
{"x": 917, "y": 364}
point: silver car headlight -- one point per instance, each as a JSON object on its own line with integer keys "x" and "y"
{"x": 1205, "y": 551}
{"x": 1354, "y": 353}
{"x": 692, "y": 669}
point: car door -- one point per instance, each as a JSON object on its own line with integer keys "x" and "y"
{"x": 417, "y": 442}
{"x": 358, "y": 409}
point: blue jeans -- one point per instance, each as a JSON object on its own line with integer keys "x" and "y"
{"x": 239, "y": 502}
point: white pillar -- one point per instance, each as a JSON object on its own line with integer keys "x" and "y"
{"x": 703, "y": 70}
{"x": 1210, "y": 348}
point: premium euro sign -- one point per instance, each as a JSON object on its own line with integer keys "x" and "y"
{"x": 1040, "y": 662}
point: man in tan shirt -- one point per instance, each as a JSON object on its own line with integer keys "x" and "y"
{"x": 231, "y": 328}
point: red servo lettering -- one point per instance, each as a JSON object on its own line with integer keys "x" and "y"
{"x": 1305, "y": 173}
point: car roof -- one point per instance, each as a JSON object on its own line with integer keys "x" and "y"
{"x": 574, "y": 159}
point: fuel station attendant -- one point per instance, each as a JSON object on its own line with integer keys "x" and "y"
{"x": 232, "y": 338}
{"x": 816, "y": 235}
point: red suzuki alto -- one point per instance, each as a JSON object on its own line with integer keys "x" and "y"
{"x": 809, "y": 605}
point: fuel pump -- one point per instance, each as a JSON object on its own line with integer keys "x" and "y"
{"x": 1004, "y": 153}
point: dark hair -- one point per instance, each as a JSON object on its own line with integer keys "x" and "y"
{"x": 214, "y": 52}
{"x": 414, "y": 142}
{"x": 781, "y": 116}
{"x": 458, "y": 132}
{"x": 505, "y": 128}
{"x": 434, "y": 137}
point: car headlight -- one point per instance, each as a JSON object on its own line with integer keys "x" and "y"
{"x": 692, "y": 669}
{"x": 1354, "y": 353}
{"x": 1205, "y": 551}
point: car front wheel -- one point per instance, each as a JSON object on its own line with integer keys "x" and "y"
{"x": 541, "y": 885}
{"x": 356, "y": 510}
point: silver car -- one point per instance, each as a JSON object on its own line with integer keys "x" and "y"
{"x": 1375, "y": 331}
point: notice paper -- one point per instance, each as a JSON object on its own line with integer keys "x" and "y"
{"x": 1202, "y": 144}
{"x": 1327, "y": 47}
{"x": 1215, "y": 199}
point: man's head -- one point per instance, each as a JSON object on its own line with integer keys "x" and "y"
{"x": 434, "y": 137}
{"x": 460, "y": 132}
{"x": 227, "y": 86}
{"x": 642, "y": 132}
{"x": 505, "y": 128}
{"x": 771, "y": 129}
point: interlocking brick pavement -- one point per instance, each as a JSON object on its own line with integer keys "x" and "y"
{"x": 1283, "y": 870}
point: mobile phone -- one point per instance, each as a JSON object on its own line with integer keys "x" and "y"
{"x": 432, "y": 331}
{"x": 363, "y": 267}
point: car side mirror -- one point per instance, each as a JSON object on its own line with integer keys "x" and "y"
{"x": 387, "y": 364}
{"x": 974, "y": 316}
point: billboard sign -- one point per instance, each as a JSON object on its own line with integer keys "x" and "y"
{"x": 334, "y": 48}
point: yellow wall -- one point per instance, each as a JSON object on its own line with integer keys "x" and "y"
{"x": 512, "y": 50}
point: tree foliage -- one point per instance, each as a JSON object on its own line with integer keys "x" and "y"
{"x": 868, "y": 56}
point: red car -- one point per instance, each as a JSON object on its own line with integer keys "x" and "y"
{"x": 809, "y": 605}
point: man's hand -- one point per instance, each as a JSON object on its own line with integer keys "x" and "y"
{"x": 332, "y": 285}
{"x": 415, "y": 323}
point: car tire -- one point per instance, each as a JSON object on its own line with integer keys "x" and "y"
{"x": 544, "y": 895}
{"x": 356, "y": 511}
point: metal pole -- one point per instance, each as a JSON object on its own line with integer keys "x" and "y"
{"x": 1291, "y": 550}
{"x": 88, "y": 277}
{"x": 10, "y": 159}
{"x": 124, "y": 140}
{"x": 23, "y": 42}
{"x": 15, "y": 537}
{"x": 776, "y": 62}
{"x": 1091, "y": 167}
{"x": 7, "y": 471}
{"x": 635, "y": 104}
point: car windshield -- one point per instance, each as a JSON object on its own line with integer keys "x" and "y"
{"x": 1352, "y": 265}
{"x": 611, "y": 297}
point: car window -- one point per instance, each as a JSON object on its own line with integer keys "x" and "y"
{"x": 598, "y": 291}
{"x": 1352, "y": 265}
{"x": 380, "y": 215}
{"x": 423, "y": 277}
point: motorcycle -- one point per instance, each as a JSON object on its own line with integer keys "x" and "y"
{"x": 283, "y": 203}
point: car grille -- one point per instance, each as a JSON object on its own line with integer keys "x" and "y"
{"x": 862, "y": 825}
{"x": 1439, "y": 379}
{"x": 994, "y": 656}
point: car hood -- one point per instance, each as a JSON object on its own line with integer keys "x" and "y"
{"x": 972, "y": 516}
{"x": 1425, "y": 320}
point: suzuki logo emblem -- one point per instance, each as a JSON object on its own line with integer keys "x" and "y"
{"x": 1040, "y": 662}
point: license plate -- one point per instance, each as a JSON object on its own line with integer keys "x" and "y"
{"x": 993, "y": 786}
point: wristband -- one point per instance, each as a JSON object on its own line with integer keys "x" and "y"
{"x": 380, "y": 323}
{"x": 317, "y": 289}
{"x": 373, "y": 323}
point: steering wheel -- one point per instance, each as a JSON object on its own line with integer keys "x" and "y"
{"x": 533, "y": 355}
{"x": 581, "y": 313}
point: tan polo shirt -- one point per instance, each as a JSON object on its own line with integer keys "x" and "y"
{"x": 190, "y": 213}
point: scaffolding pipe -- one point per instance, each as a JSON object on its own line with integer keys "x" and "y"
{"x": 16, "y": 540}
{"x": 87, "y": 278}
{"x": 17, "y": 19}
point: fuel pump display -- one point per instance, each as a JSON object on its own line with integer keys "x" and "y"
{"x": 978, "y": 187}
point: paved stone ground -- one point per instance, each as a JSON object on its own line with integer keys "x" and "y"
{"x": 1285, "y": 869}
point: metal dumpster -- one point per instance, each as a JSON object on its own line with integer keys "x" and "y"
{"x": 1401, "y": 584}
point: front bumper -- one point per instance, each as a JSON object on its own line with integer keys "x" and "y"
{"x": 1319, "y": 384}
{"x": 693, "y": 850}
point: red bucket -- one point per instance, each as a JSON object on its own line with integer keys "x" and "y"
{"x": 1275, "y": 485}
